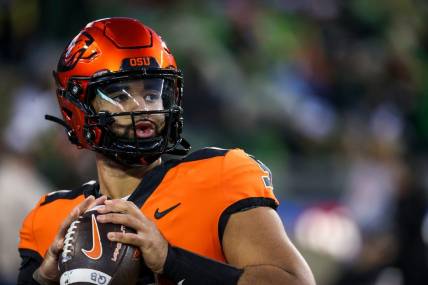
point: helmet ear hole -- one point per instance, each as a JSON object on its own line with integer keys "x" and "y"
{"x": 75, "y": 89}
{"x": 89, "y": 135}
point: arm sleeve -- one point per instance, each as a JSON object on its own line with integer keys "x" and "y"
{"x": 31, "y": 260}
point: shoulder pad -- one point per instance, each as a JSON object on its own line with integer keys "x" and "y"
{"x": 89, "y": 188}
{"x": 205, "y": 153}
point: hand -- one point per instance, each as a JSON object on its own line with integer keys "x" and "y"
{"x": 147, "y": 238}
{"x": 48, "y": 270}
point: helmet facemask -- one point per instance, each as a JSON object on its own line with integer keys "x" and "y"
{"x": 138, "y": 116}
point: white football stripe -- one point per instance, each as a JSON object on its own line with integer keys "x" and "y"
{"x": 86, "y": 275}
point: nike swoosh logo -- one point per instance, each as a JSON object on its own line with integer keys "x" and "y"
{"x": 159, "y": 215}
{"x": 97, "y": 250}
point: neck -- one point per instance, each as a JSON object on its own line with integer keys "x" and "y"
{"x": 117, "y": 181}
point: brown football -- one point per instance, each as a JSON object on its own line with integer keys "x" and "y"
{"x": 89, "y": 257}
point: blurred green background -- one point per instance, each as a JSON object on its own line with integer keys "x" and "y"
{"x": 332, "y": 95}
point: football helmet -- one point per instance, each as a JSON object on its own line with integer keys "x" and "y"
{"x": 120, "y": 92}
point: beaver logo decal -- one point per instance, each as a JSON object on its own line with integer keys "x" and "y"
{"x": 81, "y": 47}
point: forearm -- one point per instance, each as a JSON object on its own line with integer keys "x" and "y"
{"x": 37, "y": 276}
{"x": 271, "y": 275}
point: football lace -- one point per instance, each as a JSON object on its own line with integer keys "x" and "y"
{"x": 68, "y": 241}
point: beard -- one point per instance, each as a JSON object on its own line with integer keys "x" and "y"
{"x": 144, "y": 129}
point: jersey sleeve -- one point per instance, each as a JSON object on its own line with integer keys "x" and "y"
{"x": 28, "y": 249}
{"x": 247, "y": 184}
{"x": 243, "y": 177}
{"x": 26, "y": 234}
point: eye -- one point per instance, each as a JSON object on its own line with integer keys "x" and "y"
{"x": 151, "y": 97}
{"x": 120, "y": 97}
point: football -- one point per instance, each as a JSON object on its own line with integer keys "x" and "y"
{"x": 89, "y": 257}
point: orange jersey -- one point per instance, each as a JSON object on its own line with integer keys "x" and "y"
{"x": 190, "y": 200}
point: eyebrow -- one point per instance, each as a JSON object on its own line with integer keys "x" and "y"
{"x": 115, "y": 88}
{"x": 108, "y": 99}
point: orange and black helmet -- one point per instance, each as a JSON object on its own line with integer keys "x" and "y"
{"x": 116, "y": 50}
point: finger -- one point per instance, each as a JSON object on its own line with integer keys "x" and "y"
{"x": 56, "y": 247}
{"x": 121, "y": 219}
{"x": 81, "y": 208}
{"x": 74, "y": 214}
{"x": 58, "y": 242}
{"x": 116, "y": 205}
{"x": 128, "y": 238}
{"x": 54, "y": 250}
{"x": 119, "y": 206}
{"x": 98, "y": 201}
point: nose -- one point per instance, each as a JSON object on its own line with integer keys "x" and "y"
{"x": 138, "y": 104}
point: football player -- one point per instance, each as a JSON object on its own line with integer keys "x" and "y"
{"x": 206, "y": 218}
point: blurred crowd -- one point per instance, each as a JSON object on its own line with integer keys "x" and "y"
{"x": 331, "y": 94}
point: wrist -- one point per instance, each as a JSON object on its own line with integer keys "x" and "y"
{"x": 42, "y": 279}
{"x": 48, "y": 270}
{"x": 163, "y": 259}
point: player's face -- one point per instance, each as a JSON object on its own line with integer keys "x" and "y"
{"x": 133, "y": 96}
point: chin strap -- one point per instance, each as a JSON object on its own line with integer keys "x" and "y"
{"x": 134, "y": 161}
{"x": 181, "y": 151}
{"x": 70, "y": 133}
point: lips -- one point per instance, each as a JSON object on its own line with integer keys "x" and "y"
{"x": 145, "y": 129}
